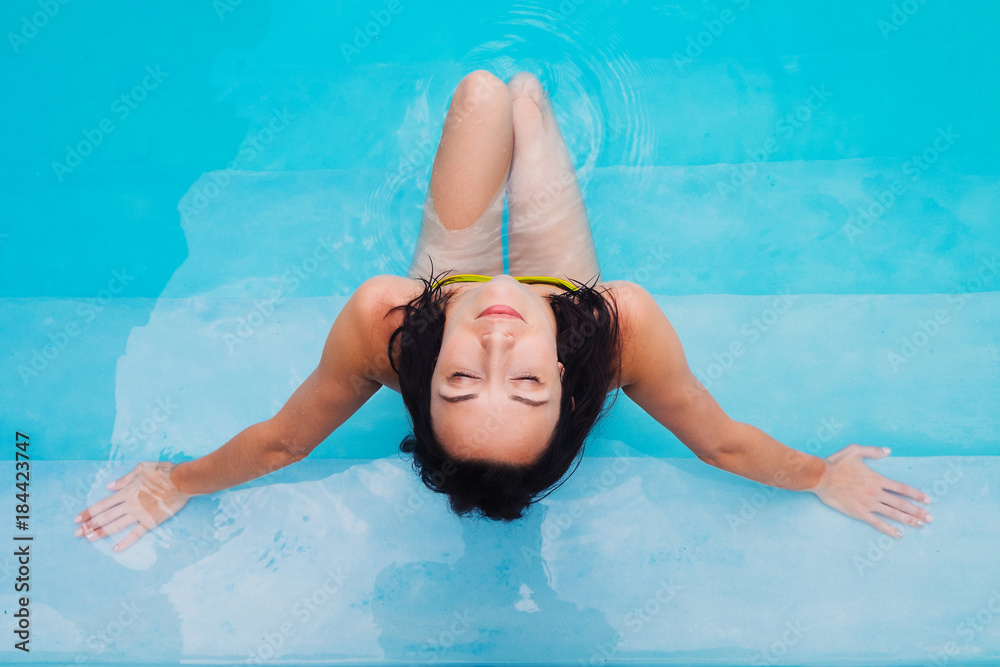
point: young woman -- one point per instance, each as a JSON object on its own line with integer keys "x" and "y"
{"x": 503, "y": 375}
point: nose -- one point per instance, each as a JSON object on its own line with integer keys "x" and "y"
{"x": 498, "y": 340}
{"x": 498, "y": 345}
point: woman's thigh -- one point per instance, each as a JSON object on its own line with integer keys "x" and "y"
{"x": 548, "y": 231}
{"x": 477, "y": 248}
{"x": 463, "y": 210}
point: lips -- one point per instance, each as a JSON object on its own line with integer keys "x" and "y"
{"x": 500, "y": 310}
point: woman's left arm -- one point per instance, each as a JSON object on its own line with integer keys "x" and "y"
{"x": 655, "y": 375}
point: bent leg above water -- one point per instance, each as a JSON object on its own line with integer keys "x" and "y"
{"x": 548, "y": 228}
{"x": 463, "y": 210}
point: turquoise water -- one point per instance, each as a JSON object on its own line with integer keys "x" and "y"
{"x": 811, "y": 193}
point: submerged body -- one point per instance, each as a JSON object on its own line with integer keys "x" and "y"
{"x": 494, "y": 389}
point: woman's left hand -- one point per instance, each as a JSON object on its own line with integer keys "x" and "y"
{"x": 850, "y": 486}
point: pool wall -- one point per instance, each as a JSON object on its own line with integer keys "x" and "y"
{"x": 799, "y": 152}
{"x": 811, "y": 193}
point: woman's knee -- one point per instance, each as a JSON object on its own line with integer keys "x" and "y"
{"x": 529, "y": 105}
{"x": 526, "y": 85}
{"x": 479, "y": 90}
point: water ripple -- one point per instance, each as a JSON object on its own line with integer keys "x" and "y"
{"x": 597, "y": 96}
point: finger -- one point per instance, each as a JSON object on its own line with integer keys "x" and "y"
{"x": 906, "y": 506}
{"x": 105, "y": 517}
{"x": 907, "y": 490}
{"x": 882, "y": 525}
{"x": 98, "y": 507}
{"x": 131, "y": 538}
{"x": 119, "y": 524}
{"x": 897, "y": 515}
{"x": 122, "y": 481}
{"x": 872, "y": 452}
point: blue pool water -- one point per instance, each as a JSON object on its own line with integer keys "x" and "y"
{"x": 811, "y": 192}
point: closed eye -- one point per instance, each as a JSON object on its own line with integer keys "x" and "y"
{"x": 466, "y": 375}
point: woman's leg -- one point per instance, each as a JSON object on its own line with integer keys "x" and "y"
{"x": 548, "y": 232}
{"x": 463, "y": 210}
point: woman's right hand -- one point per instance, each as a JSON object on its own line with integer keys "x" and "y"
{"x": 145, "y": 496}
{"x": 848, "y": 485}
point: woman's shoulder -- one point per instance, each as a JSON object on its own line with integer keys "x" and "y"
{"x": 377, "y": 296}
{"x": 633, "y": 303}
{"x": 373, "y": 304}
{"x": 628, "y": 297}
{"x": 620, "y": 288}
{"x": 388, "y": 290}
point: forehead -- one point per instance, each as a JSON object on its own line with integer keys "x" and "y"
{"x": 498, "y": 429}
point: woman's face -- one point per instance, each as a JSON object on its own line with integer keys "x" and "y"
{"x": 496, "y": 387}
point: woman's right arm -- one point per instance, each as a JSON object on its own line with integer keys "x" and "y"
{"x": 326, "y": 399}
{"x": 340, "y": 385}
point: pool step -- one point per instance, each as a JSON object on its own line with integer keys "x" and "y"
{"x": 916, "y": 372}
{"x": 850, "y": 226}
{"x": 635, "y": 559}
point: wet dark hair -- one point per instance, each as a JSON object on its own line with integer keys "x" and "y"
{"x": 587, "y": 344}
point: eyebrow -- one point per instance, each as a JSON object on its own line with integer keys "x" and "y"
{"x": 468, "y": 397}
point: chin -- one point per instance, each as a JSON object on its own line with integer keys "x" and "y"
{"x": 499, "y": 285}
{"x": 512, "y": 294}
